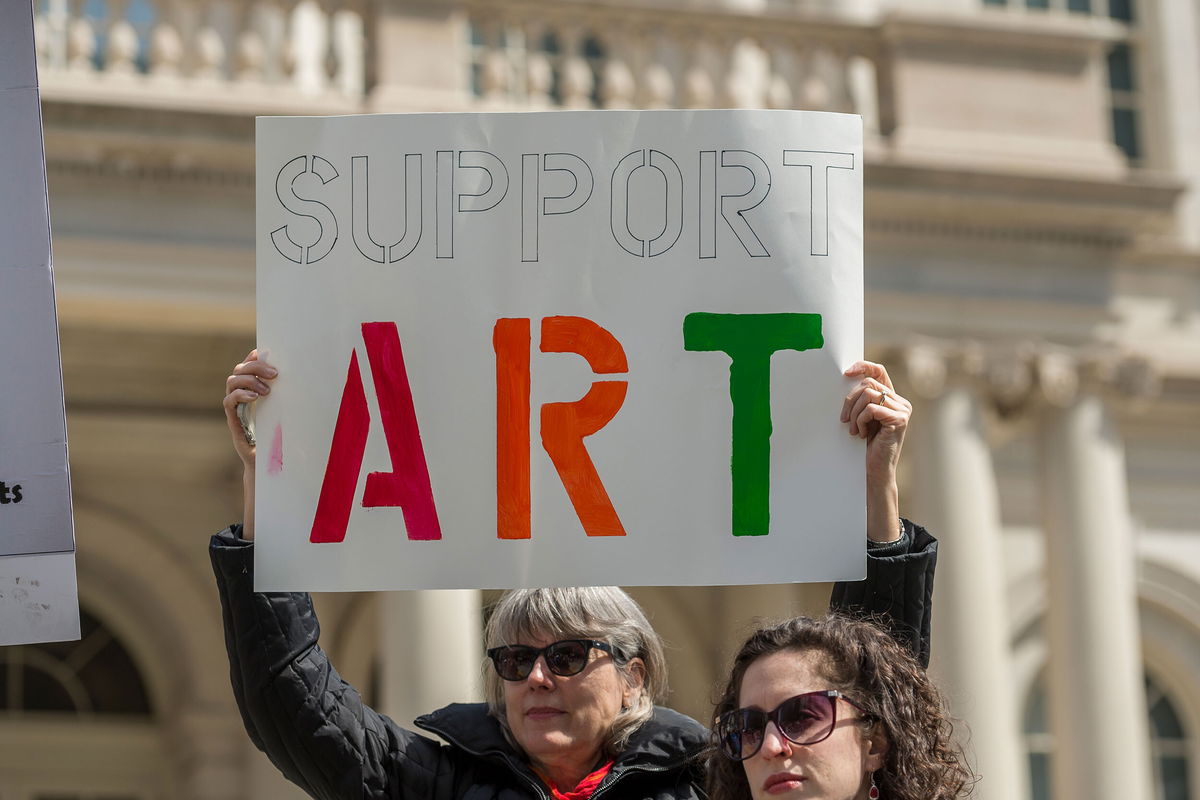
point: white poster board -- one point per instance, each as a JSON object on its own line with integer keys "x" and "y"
{"x": 558, "y": 348}
{"x": 38, "y": 599}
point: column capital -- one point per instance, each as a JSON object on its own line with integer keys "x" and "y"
{"x": 1017, "y": 377}
{"x": 1009, "y": 377}
{"x": 1062, "y": 375}
{"x": 930, "y": 365}
{"x": 1138, "y": 378}
{"x": 924, "y": 368}
{"x": 1057, "y": 373}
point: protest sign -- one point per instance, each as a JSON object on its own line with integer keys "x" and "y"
{"x": 558, "y": 348}
{"x": 37, "y": 562}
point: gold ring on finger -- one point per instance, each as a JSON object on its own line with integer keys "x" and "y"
{"x": 883, "y": 396}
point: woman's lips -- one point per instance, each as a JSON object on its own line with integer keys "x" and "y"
{"x": 782, "y": 782}
{"x": 543, "y": 712}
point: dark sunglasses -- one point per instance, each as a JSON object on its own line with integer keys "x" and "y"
{"x": 804, "y": 719}
{"x": 565, "y": 658}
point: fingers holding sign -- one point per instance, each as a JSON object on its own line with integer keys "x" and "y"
{"x": 873, "y": 406}
{"x": 249, "y": 381}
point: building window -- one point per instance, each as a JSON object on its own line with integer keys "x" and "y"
{"x": 93, "y": 676}
{"x": 1121, "y": 10}
{"x": 1123, "y": 100}
{"x": 515, "y": 45}
{"x": 1125, "y": 116}
{"x": 1038, "y": 741}
{"x": 1169, "y": 744}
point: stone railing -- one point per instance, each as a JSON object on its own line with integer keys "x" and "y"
{"x": 312, "y": 56}
{"x": 553, "y": 54}
{"x": 256, "y": 54}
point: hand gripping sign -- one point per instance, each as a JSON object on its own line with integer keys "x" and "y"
{"x": 557, "y": 349}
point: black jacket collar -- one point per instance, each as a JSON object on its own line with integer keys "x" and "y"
{"x": 668, "y": 740}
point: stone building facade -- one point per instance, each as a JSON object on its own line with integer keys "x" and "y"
{"x": 1033, "y": 278}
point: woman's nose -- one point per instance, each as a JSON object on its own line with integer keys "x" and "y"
{"x": 774, "y": 742}
{"x": 540, "y": 674}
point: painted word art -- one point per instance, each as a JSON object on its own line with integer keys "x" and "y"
{"x": 748, "y": 339}
{"x": 600, "y": 348}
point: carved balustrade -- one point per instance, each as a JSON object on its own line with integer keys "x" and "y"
{"x": 552, "y": 54}
{"x": 202, "y": 52}
{"x": 314, "y": 56}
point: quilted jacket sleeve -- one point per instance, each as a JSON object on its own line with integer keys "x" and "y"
{"x": 296, "y": 708}
{"x": 898, "y": 590}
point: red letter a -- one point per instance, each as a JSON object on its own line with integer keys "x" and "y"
{"x": 407, "y": 485}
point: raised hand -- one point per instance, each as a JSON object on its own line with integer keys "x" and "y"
{"x": 873, "y": 411}
{"x": 250, "y": 380}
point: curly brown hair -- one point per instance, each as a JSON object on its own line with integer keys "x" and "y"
{"x": 922, "y": 762}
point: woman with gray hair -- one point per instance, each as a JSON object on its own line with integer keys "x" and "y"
{"x": 575, "y": 674}
{"x": 586, "y": 612}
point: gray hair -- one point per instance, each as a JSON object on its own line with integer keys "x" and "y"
{"x": 605, "y": 613}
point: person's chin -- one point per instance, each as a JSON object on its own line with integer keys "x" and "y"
{"x": 545, "y": 741}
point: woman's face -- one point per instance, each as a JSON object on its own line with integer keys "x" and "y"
{"x": 837, "y": 768}
{"x": 561, "y": 722}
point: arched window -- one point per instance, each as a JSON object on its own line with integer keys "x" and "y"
{"x": 77, "y": 723}
{"x": 1169, "y": 744}
{"x": 93, "y": 676}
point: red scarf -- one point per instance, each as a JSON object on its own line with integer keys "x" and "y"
{"x": 585, "y": 788}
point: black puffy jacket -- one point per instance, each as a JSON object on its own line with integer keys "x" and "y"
{"x": 318, "y": 732}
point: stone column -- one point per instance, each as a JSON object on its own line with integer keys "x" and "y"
{"x": 1174, "y": 29}
{"x": 432, "y": 651}
{"x": 1097, "y": 699}
{"x": 954, "y": 494}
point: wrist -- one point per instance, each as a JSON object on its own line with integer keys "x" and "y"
{"x": 894, "y": 534}
{"x": 883, "y": 513}
{"x": 248, "y": 503}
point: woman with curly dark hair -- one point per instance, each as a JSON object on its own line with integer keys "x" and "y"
{"x": 832, "y": 708}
